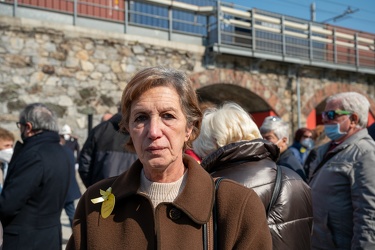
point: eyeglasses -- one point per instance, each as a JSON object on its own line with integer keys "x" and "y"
{"x": 19, "y": 124}
{"x": 331, "y": 114}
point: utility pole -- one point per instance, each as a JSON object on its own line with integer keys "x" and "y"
{"x": 312, "y": 11}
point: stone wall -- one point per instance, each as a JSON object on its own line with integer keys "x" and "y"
{"x": 79, "y": 71}
{"x": 76, "y": 71}
{"x": 276, "y": 83}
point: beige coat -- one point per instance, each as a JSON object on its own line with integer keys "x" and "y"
{"x": 134, "y": 224}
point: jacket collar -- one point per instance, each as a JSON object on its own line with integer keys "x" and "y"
{"x": 323, "y": 149}
{"x": 199, "y": 185}
{"x": 356, "y": 137}
{"x": 40, "y": 138}
{"x": 349, "y": 141}
{"x": 253, "y": 150}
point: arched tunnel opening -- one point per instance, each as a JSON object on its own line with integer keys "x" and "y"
{"x": 251, "y": 102}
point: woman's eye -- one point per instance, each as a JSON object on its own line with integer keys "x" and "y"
{"x": 140, "y": 118}
{"x": 168, "y": 116}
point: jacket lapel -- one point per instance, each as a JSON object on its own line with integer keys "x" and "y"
{"x": 199, "y": 184}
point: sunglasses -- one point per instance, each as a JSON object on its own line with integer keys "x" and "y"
{"x": 331, "y": 114}
{"x": 273, "y": 118}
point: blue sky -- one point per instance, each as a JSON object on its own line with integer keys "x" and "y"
{"x": 363, "y": 18}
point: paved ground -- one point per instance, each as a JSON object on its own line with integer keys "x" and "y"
{"x": 66, "y": 230}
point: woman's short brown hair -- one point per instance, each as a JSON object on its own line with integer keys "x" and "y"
{"x": 160, "y": 76}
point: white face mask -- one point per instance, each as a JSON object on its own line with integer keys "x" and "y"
{"x": 6, "y": 155}
{"x": 66, "y": 137}
{"x": 277, "y": 143}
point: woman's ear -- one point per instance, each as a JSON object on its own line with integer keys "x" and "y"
{"x": 189, "y": 130}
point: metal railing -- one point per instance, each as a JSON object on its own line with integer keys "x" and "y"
{"x": 227, "y": 28}
{"x": 287, "y": 37}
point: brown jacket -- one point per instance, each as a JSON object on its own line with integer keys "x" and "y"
{"x": 134, "y": 224}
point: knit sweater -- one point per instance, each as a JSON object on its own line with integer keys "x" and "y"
{"x": 162, "y": 192}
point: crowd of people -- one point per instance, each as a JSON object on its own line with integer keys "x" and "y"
{"x": 167, "y": 173}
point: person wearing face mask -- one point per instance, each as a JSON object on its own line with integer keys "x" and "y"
{"x": 342, "y": 177}
{"x": 276, "y": 130}
{"x": 70, "y": 144}
{"x": 302, "y": 144}
{"x": 36, "y": 183}
{"x": 6, "y": 152}
{"x": 69, "y": 140}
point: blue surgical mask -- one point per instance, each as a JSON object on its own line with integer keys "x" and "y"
{"x": 307, "y": 143}
{"x": 333, "y": 131}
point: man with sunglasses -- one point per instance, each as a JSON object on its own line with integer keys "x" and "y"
{"x": 342, "y": 177}
{"x": 36, "y": 184}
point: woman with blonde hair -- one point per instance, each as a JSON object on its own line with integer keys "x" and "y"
{"x": 232, "y": 147}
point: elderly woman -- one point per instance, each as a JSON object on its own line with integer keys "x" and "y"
{"x": 231, "y": 146}
{"x": 165, "y": 200}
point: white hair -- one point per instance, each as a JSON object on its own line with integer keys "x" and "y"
{"x": 354, "y": 102}
{"x": 276, "y": 125}
{"x": 224, "y": 125}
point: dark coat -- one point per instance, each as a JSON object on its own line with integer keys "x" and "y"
{"x": 73, "y": 145}
{"x": 135, "y": 224}
{"x": 73, "y": 191}
{"x": 288, "y": 159}
{"x": 252, "y": 163}
{"x": 34, "y": 194}
{"x": 371, "y": 130}
{"x": 103, "y": 155}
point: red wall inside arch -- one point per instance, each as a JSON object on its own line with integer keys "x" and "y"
{"x": 259, "y": 117}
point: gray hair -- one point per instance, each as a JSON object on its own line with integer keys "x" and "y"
{"x": 40, "y": 117}
{"x": 276, "y": 125}
{"x": 354, "y": 102}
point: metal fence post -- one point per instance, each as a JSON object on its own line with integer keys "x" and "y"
{"x": 170, "y": 23}
{"x": 311, "y": 49}
{"x": 218, "y": 17}
{"x": 75, "y": 12}
{"x": 334, "y": 46}
{"x": 356, "y": 50}
{"x": 253, "y": 32}
{"x": 15, "y": 4}
{"x": 126, "y": 13}
{"x": 283, "y": 35}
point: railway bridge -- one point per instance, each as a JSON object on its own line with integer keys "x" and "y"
{"x": 77, "y": 57}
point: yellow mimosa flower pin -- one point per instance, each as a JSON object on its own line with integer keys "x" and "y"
{"x": 108, "y": 200}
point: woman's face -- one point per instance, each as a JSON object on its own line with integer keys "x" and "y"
{"x": 158, "y": 128}
{"x": 306, "y": 135}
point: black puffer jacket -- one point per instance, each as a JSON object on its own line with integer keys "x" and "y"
{"x": 252, "y": 163}
{"x": 103, "y": 155}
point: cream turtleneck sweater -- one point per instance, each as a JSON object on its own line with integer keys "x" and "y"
{"x": 162, "y": 192}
